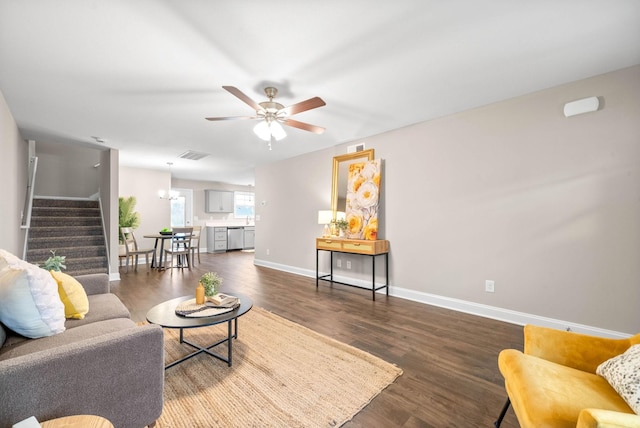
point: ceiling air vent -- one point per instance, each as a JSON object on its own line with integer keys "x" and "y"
{"x": 191, "y": 155}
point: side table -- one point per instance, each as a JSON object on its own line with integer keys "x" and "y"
{"x": 78, "y": 421}
{"x": 354, "y": 246}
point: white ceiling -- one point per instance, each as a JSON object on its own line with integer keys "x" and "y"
{"x": 144, "y": 74}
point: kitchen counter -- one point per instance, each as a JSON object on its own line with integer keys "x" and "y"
{"x": 229, "y": 236}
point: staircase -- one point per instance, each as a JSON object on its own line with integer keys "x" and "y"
{"x": 73, "y": 228}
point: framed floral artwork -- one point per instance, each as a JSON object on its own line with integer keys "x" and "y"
{"x": 363, "y": 193}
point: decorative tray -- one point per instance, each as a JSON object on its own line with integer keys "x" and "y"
{"x": 190, "y": 309}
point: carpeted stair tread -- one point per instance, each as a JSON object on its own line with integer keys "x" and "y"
{"x": 66, "y": 242}
{"x": 65, "y": 221}
{"x": 51, "y": 231}
{"x": 74, "y": 203}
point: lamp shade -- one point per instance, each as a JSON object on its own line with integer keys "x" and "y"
{"x": 265, "y": 130}
{"x": 262, "y": 130}
{"x": 277, "y": 131}
{"x": 325, "y": 216}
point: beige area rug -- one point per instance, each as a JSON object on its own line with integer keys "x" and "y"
{"x": 283, "y": 375}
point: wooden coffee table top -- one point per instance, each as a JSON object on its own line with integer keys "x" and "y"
{"x": 78, "y": 421}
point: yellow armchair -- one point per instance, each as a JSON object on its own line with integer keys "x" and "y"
{"x": 553, "y": 383}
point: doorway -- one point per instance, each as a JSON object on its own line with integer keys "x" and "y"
{"x": 182, "y": 208}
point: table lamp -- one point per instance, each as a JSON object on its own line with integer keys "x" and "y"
{"x": 325, "y": 217}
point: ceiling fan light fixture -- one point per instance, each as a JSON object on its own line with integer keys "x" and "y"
{"x": 265, "y": 130}
{"x": 274, "y": 114}
{"x": 277, "y": 131}
{"x": 262, "y": 130}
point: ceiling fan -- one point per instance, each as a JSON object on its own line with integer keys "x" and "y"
{"x": 273, "y": 114}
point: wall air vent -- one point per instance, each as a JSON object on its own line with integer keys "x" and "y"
{"x": 355, "y": 148}
{"x": 191, "y": 155}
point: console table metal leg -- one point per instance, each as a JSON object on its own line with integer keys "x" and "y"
{"x": 373, "y": 277}
{"x": 386, "y": 270}
{"x": 331, "y": 265}
{"x": 317, "y": 271}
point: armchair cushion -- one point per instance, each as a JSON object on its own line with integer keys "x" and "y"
{"x": 554, "y": 383}
{"x": 73, "y": 296}
{"x": 598, "y": 418}
{"x": 623, "y": 374}
{"x": 546, "y": 394}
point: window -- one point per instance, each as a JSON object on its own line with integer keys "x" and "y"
{"x": 243, "y": 204}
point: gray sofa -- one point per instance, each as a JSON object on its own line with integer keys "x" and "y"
{"x": 101, "y": 365}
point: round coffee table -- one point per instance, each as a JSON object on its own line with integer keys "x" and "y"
{"x": 165, "y": 315}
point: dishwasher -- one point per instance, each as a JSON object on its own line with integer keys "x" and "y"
{"x": 235, "y": 238}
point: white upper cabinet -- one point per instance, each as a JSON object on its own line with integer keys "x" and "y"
{"x": 218, "y": 201}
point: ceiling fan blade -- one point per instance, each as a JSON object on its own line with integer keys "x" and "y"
{"x": 231, "y": 118}
{"x": 243, "y": 97}
{"x": 309, "y": 104}
{"x": 303, "y": 126}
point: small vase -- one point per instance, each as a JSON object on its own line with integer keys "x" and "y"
{"x": 199, "y": 294}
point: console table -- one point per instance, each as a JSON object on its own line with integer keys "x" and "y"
{"x": 354, "y": 246}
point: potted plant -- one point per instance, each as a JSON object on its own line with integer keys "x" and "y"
{"x": 211, "y": 283}
{"x": 126, "y": 218}
{"x": 341, "y": 226}
{"x": 55, "y": 262}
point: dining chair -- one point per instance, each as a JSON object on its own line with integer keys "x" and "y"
{"x": 195, "y": 243}
{"x": 132, "y": 251}
{"x": 180, "y": 247}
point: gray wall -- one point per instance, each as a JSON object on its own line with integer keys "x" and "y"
{"x": 13, "y": 176}
{"x": 546, "y": 206}
{"x": 67, "y": 170}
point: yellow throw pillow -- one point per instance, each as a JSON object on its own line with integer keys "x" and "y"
{"x": 72, "y": 294}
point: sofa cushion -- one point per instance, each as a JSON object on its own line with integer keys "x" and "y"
{"x": 29, "y": 301}
{"x": 103, "y": 307}
{"x": 70, "y": 336}
{"x": 623, "y": 374}
{"x": 72, "y": 294}
{"x": 544, "y": 393}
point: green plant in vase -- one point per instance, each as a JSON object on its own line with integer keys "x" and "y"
{"x": 341, "y": 226}
{"x": 211, "y": 283}
{"x": 55, "y": 262}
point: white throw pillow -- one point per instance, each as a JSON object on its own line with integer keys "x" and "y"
{"x": 623, "y": 374}
{"x": 29, "y": 301}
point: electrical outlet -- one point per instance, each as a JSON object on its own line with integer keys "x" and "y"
{"x": 268, "y": 252}
{"x": 339, "y": 263}
{"x": 348, "y": 264}
{"x": 489, "y": 286}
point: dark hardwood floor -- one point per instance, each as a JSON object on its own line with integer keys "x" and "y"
{"x": 449, "y": 359}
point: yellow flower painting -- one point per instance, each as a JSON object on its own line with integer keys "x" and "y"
{"x": 363, "y": 192}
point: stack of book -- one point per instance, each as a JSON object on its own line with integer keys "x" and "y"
{"x": 221, "y": 300}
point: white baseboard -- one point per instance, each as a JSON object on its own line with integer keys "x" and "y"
{"x": 486, "y": 311}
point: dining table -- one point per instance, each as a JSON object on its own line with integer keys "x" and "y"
{"x": 160, "y": 238}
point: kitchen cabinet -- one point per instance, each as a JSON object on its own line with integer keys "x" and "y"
{"x": 216, "y": 239}
{"x": 249, "y": 237}
{"x": 218, "y": 201}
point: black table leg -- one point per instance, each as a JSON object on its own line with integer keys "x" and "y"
{"x": 373, "y": 277}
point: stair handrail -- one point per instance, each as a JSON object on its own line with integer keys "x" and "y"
{"x": 104, "y": 234}
{"x": 28, "y": 202}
